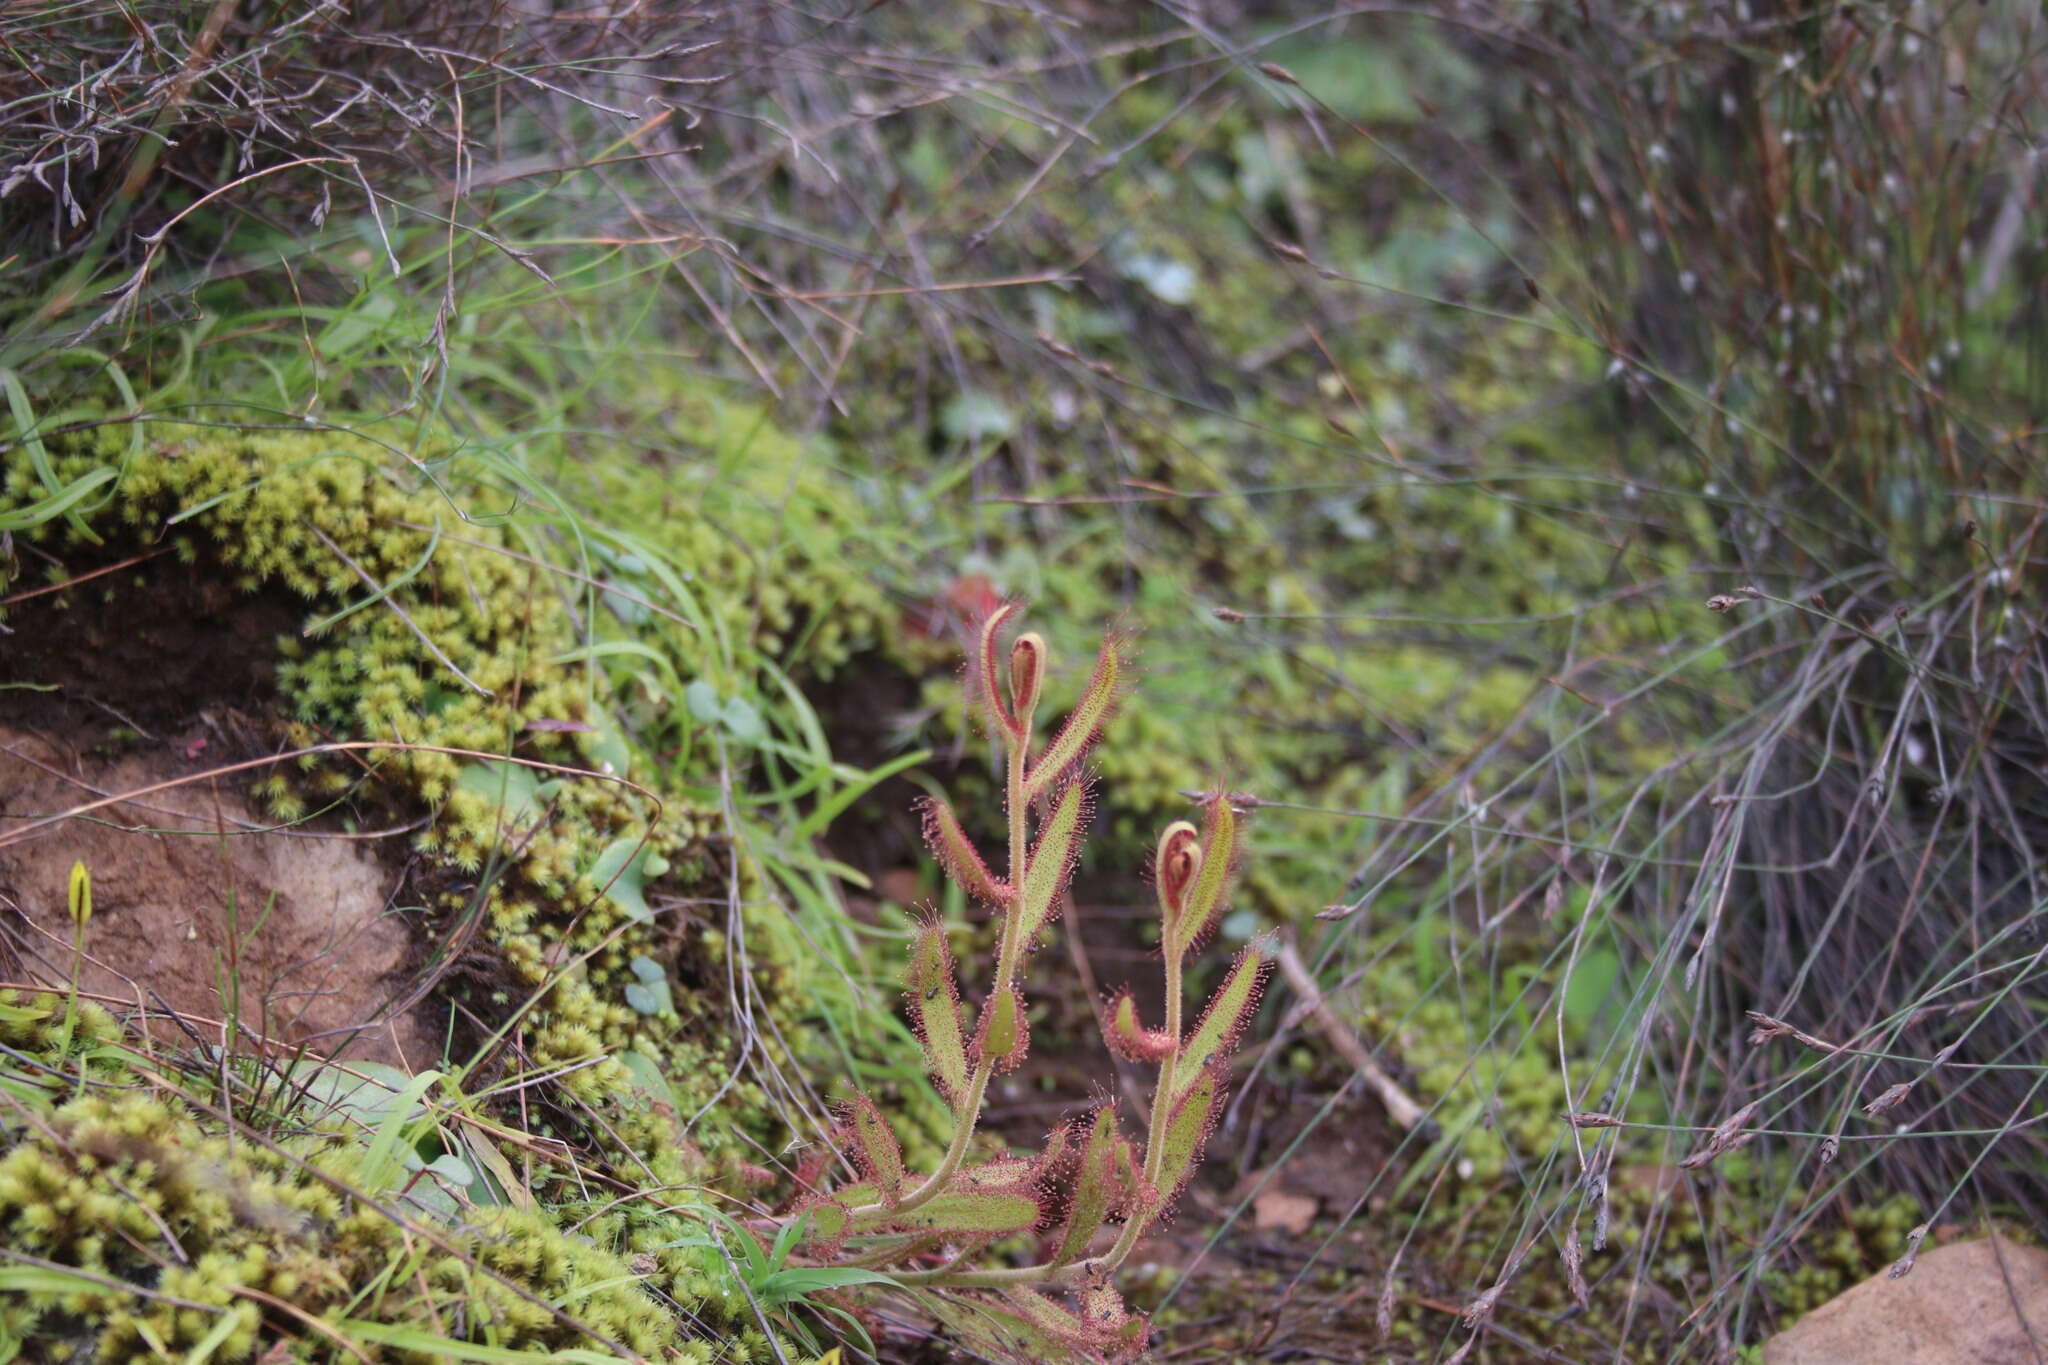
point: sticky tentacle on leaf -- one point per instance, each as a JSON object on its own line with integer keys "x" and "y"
{"x": 1130, "y": 1039}
{"x": 1084, "y": 724}
{"x": 987, "y": 671}
{"x": 874, "y": 1147}
{"x": 1051, "y": 862}
{"x": 933, "y": 992}
{"x": 959, "y": 857}
{"x": 1208, "y": 1047}
{"x": 1097, "y": 1191}
{"x": 1210, "y": 884}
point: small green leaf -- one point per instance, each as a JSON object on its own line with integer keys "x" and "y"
{"x": 704, "y": 702}
{"x": 742, "y": 721}
{"x": 1590, "y": 982}
{"x": 976, "y": 416}
{"x": 366, "y": 1099}
{"x": 646, "y": 1074}
{"x": 620, "y": 867}
{"x": 650, "y": 994}
{"x": 511, "y": 787}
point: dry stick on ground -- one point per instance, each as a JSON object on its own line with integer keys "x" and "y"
{"x": 1402, "y": 1109}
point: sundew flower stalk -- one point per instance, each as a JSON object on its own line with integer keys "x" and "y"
{"x": 926, "y": 1229}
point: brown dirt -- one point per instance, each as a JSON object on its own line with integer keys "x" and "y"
{"x": 155, "y": 673}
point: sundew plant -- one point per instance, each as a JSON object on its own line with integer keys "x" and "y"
{"x": 1093, "y": 1190}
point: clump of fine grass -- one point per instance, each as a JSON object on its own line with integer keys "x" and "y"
{"x": 1790, "y": 954}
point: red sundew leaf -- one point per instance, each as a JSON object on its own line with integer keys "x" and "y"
{"x": 1027, "y": 678}
{"x": 986, "y": 680}
{"x": 993, "y": 1328}
{"x": 1210, "y": 1045}
{"x": 1174, "y": 864}
{"x": 1004, "y": 1035}
{"x": 1052, "y": 1161}
{"x": 1127, "y": 1037}
{"x": 1141, "y": 1196}
{"x": 1121, "y": 1332}
{"x": 1084, "y": 724}
{"x": 934, "y": 997}
{"x": 1211, "y": 883}
{"x": 1016, "y": 1173}
{"x": 1095, "y": 1189}
{"x": 1059, "y": 1323}
{"x": 968, "y": 1215}
{"x": 1052, "y": 860}
{"x": 1185, "y": 1133}
{"x": 958, "y": 855}
{"x": 1102, "y": 1331}
{"x": 874, "y": 1147}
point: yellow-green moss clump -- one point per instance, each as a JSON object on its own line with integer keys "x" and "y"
{"x": 156, "y": 1234}
{"x": 750, "y": 515}
{"x": 435, "y": 623}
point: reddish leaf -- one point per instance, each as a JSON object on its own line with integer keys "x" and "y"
{"x": 958, "y": 855}
{"x": 1084, "y": 724}
{"x": 874, "y": 1147}
{"x": 1003, "y": 1035}
{"x": 1128, "y": 1038}
{"x": 1122, "y": 1333}
{"x": 1210, "y": 1045}
{"x": 934, "y": 998}
{"x": 1051, "y": 861}
{"x": 985, "y": 670}
{"x": 1096, "y": 1191}
{"x": 1027, "y": 677}
{"x": 1211, "y": 884}
{"x": 1174, "y": 864}
{"x": 991, "y": 1327}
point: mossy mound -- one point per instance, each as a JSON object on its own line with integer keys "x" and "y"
{"x": 450, "y": 678}
{"x": 146, "y": 1226}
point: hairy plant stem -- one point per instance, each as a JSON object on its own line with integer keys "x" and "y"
{"x": 995, "y": 1279}
{"x": 1155, "y": 1149}
{"x": 968, "y": 1116}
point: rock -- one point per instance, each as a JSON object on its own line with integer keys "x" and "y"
{"x": 1969, "y": 1303}
{"x": 1276, "y": 1209}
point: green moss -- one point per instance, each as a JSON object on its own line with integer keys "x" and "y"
{"x": 428, "y": 628}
